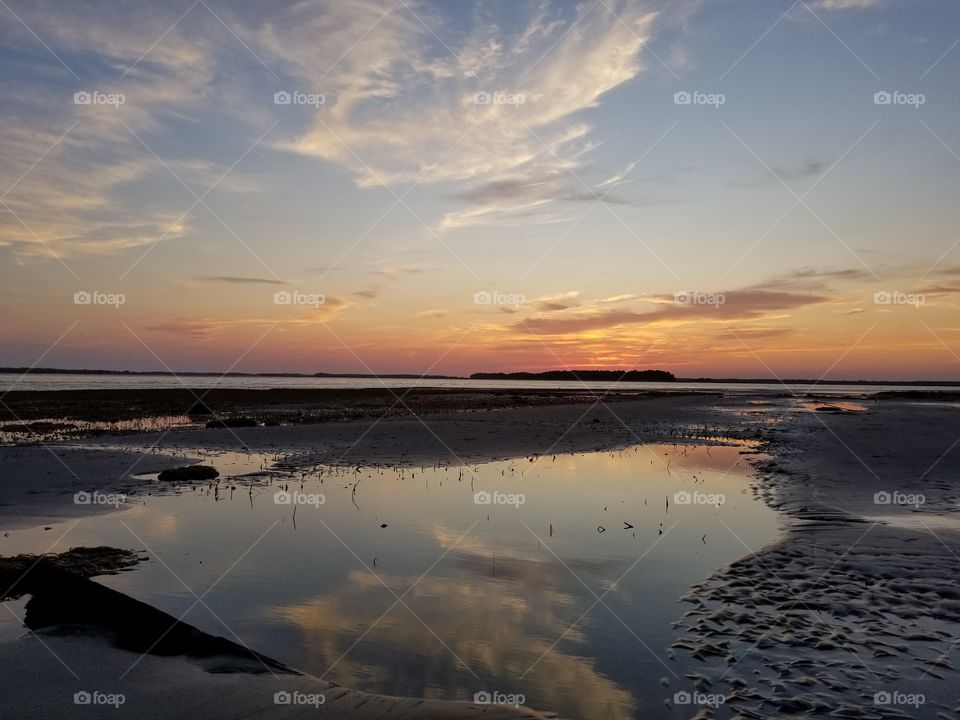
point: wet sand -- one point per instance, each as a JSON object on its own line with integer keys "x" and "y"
{"x": 855, "y": 611}
{"x": 855, "y": 605}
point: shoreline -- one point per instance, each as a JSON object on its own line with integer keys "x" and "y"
{"x": 535, "y": 376}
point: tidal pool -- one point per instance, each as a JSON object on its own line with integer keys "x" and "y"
{"x": 552, "y": 580}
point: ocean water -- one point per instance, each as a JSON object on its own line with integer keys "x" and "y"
{"x": 82, "y": 382}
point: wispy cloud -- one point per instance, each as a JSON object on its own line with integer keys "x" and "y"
{"x": 618, "y": 298}
{"x": 554, "y": 303}
{"x": 208, "y": 327}
{"x": 401, "y": 83}
{"x": 70, "y": 201}
{"x": 196, "y": 329}
{"x": 403, "y": 106}
{"x": 847, "y": 4}
{"x": 812, "y": 279}
{"x": 939, "y": 290}
{"x": 236, "y": 280}
{"x": 811, "y": 168}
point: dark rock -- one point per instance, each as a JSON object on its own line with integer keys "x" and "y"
{"x": 65, "y": 602}
{"x": 189, "y": 472}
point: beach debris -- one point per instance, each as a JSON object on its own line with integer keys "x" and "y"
{"x": 383, "y": 525}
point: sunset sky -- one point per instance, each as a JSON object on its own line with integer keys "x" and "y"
{"x": 482, "y": 186}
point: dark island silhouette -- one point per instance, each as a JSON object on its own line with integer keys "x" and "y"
{"x": 592, "y": 375}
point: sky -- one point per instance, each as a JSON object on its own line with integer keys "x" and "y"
{"x": 746, "y": 188}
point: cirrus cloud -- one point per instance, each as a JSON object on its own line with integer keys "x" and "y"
{"x": 402, "y": 101}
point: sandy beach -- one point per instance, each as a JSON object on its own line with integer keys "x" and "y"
{"x": 854, "y": 599}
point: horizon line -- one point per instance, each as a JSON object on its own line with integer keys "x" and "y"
{"x": 423, "y": 376}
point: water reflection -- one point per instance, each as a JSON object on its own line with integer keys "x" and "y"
{"x": 498, "y": 596}
{"x": 499, "y": 630}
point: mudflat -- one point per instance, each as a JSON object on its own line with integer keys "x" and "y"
{"x": 851, "y": 612}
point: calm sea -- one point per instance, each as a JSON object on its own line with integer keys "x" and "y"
{"x": 92, "y": 382}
